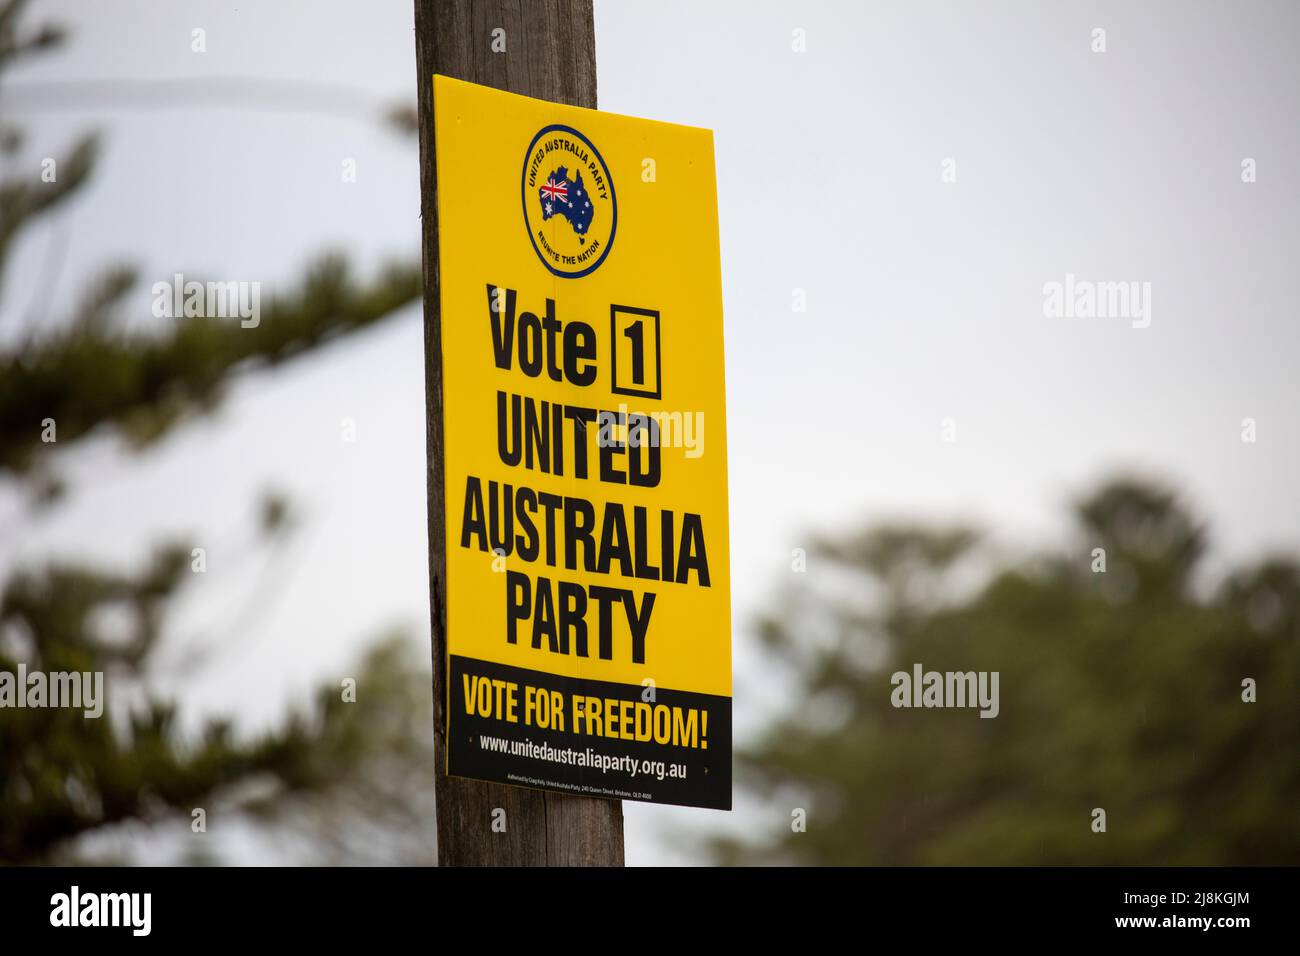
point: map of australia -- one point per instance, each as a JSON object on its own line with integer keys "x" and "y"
{"x": 562, "y": 196}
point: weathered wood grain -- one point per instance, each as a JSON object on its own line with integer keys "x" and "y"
{"x": 550, "y": 54}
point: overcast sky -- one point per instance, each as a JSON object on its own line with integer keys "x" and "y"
{"x": 924, "y": 297}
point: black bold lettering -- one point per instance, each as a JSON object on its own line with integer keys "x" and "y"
{"x": 691, "y": 556}
{"x": 526, "y": 544}
{"x": 579, "y": 344}
{"x": 509, "y": 444}
{"x": 638, "y": 622}
{"x": 503, "y": 327}
{"x": 518, "y": 601}
{"x": 530, "y": 345}
{"x": 472, "y": 523}
{"x": 552, "y": 326}
{"x": 613, "y": 541}
{"x": 573, "y": 617}
{"x": 544, "y": 617}
{"x": 579, "y": 522}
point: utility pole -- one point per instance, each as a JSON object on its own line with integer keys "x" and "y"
{"x": 545, "y": 49}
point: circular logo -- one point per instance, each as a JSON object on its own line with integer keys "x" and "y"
{"x": 569, "y": 205}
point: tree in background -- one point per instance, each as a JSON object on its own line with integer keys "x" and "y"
{"x": 343, "y": 775}
{"x": 1120, "y": 689}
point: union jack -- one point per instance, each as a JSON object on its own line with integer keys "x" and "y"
{"x": 554, "y": 190}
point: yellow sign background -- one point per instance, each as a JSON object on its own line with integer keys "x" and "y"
{"x": 664, "y": 257}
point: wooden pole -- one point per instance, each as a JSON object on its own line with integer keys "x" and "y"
{"x": 550, "y": 53}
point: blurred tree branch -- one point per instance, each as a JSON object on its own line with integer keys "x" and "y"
{"x": 87, "y": 372}
{"x": 91, "y": 374}
{"x": 63, "y": 775}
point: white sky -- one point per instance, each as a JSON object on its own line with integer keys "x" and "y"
{"x": 924, "y": 298}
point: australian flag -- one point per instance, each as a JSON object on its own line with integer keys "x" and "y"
{"x": 562, "y": 196}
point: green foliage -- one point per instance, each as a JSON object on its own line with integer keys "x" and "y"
{"x": 63, "y": 774}
{"x": 24, "y": 197}
{"x": 89, "y": 373}
{"x": 15, "y": 43}
{"x": 1120, "y": 690}
{"x": 329, "y": 769}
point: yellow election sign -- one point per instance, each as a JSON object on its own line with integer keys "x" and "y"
{"x": 588, "y": 573}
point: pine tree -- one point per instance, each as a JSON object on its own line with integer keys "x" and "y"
{"x": 63, "y": 775}
{"x": 1121, "y": 688}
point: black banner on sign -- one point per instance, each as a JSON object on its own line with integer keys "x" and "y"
{"x": 595, "y": 738}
